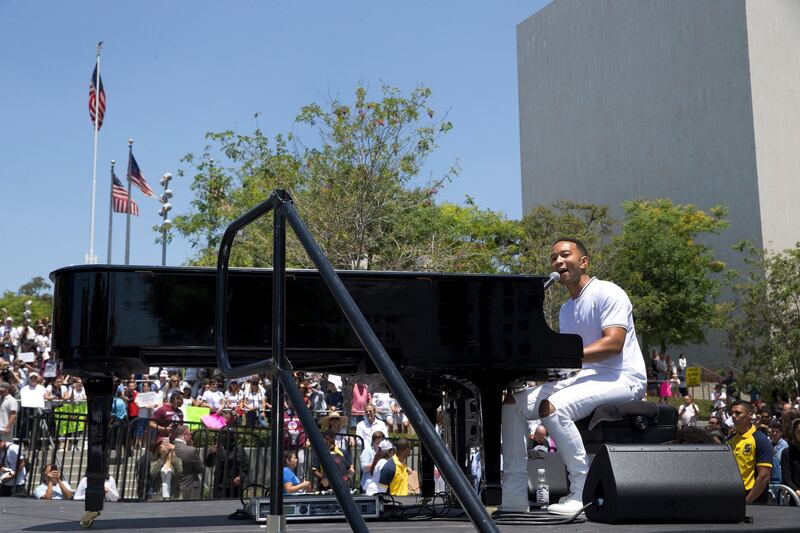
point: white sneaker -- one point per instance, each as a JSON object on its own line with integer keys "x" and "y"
{"x": 565, "y": 498}
{"x": 565, "y": 507}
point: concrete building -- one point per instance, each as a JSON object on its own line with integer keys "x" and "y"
{"x": 697, "y": 101}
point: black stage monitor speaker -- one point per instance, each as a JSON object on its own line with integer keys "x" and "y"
{"x": 665, "y": 483}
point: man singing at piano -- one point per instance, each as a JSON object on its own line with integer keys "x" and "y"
{"x": 613, "y": 371}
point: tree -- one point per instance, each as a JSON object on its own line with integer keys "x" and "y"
{"x": 35, "y": 291}
{"x": 762, "y": 327}
{"x": 591, "y": 224}
{"x": 351, "y": 186}
{"x": 668, "y": 274}
{"x": 453, "y": 238}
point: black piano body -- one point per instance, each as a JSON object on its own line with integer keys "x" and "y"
{"x": 440, "y": 330}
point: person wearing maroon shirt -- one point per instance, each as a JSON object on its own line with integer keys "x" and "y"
{"x": 167, "y": 417}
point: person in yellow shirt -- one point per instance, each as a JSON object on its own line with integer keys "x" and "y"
{"x": 752, "y": 450}
{"x": 395, "y": 472}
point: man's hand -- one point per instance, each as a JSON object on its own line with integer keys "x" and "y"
{"x": 237, "y": 481}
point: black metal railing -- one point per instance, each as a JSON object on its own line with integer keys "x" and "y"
{"x": 59, "y": 437}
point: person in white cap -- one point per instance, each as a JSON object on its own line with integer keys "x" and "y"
{"x": 32, "y": 394}
{"x": 382, "y": 457}
{"x": 613, "y": 371}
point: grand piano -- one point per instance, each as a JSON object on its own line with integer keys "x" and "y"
{"x": 465, "y": 333}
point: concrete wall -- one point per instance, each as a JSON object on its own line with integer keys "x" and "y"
{"x": 624, "y": 99}
{"x": 645, "y": 99}
{"x": 773, "y": 34}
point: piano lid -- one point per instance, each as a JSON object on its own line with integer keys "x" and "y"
{"x": 473, "y": 325}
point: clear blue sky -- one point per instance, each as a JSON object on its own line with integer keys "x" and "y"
{"x": 175, "y": 70}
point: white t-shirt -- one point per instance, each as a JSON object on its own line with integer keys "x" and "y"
{"x": 373, "y": 485}
{"x": 213, "y": 398}
{"x": 32, "y": 396}
{"x": 383, "y": 404}
{"x": 252, "y": 398}
{"x": 232, "y": 399}
{"x": 602, "y": 304}
{"x": 41, "y": 490}
{"x": 365, "y": 430}
{"x": 110, "y": 487}
{"x": 688, "y": 414}
{"x": 76, "y": 395}
{"x": 8, "y": 405}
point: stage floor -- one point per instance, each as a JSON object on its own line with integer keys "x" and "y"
{"x": 27, "y": 514}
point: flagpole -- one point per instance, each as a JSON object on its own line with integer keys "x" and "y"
{"x": 91, "y": 258}
{"x": 110, "y": 212}
{"x": 128, "y": 215}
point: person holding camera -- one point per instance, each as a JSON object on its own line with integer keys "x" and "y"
{"x": 53, "y": 487}
{"x": 166, "y": 471}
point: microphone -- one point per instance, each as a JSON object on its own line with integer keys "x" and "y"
{"x": 554, "y": 276}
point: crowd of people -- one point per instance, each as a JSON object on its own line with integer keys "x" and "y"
{"x": 666, "y": 378}
{"x": 150, "y": 410}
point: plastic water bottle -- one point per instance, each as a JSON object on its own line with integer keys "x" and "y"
{"x": 542, "y": 489}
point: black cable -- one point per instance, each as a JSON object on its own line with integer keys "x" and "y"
{"x": 242, "y": 514}
{"x": 541, "y": 517}
{"x": 427, "y": 508}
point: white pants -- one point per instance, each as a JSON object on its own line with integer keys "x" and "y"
{"x": 573, "y": 398}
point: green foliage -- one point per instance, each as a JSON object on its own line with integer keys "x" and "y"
{"x": 351, "y": 186}
{"x": 452, "y": 238}
{"x": 667, "y": 273}
{"x": 35, "y": 291}
{"x": 763, "y": 330}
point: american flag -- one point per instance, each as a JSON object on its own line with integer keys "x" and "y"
{"x": 101, "y": 104}
{"x": 119, "y": 195}
{"x": 137, "y": 178}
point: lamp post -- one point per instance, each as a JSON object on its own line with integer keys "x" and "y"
{"x": 165, "y": 222}
{"x": 26, "y": 315}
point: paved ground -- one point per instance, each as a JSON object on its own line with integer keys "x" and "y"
{"x": 24, "y": 514}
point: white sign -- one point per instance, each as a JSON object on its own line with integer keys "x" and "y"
{"x": 27, "y": 357}
{"x": 50, "y": 369}
{"x": 143, "y": 399}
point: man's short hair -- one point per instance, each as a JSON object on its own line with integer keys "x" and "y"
{"x": 181, "y": 430}
{"x": 581, "y": 247}
{"x": 776, "y": 425}
{"x": 744, "y": 403}
{"x": 693, "y": 435}
{"x": 718, "y": 434}
{"x": 175, "y": 394}
{"x": 5, "y": 386}
{"x": 402, "y": 444}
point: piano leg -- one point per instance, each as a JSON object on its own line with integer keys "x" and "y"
{"x": 427, "y": 487}
{"x": 490, "y": 408}
{"x": 99, "y": 391}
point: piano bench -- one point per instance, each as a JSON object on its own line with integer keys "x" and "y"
{"x": 635, "y": 422}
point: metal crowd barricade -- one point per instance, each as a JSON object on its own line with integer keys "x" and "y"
{"x": 59, "y": 437}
